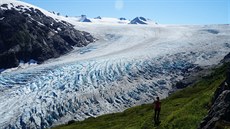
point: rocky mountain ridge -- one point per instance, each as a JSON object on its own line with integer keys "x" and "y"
{"x": 121, "y": 20}
{"x": 27, "y": 33}
{"x": 219, "y": 113}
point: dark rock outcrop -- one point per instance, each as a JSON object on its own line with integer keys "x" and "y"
{"x": 224, "y": 86}
{"x": 98, "y": 17}
{"x": 219, "y": 114}
{"x": 84, "y": 19}
{"x": 122, "y": 18}
{"x": 226, "y": 58}
{"x": 139, "y": 20}
{"x": 26, "y": 33}
{"x": 191, "y": 77}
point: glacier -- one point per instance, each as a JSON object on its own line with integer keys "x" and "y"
{"x": 128, "y": 65}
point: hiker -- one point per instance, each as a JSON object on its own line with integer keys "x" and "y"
{"x": 157, "y": 108}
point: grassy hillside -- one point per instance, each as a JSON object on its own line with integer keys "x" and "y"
{"x": 183, "y": 110}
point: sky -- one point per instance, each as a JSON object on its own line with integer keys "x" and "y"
{"x": 161, "y": 11}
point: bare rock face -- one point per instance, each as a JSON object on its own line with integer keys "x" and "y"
{"x": 139, "y": 20}
{"x": 219, "y": 114}
{"x": 27, "y": 33}
{"x": 226, "y": 58}
{"x": 224, "y": 86}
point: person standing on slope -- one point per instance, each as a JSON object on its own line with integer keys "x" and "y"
{"x": 157, "y": 108}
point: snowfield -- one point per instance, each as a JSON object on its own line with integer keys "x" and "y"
{"x": 128, "y": 65}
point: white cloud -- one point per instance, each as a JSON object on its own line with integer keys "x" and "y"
{"x": 119, "y": 4}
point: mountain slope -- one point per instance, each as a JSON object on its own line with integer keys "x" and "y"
{"x": 84, "y": 19}
{"x": 27, "y": 33}
{"x": 141, "y": 20}
{"x": 192, "y": 101}
{"x": 218, "y": 115}
{"x": 138, "y": 20}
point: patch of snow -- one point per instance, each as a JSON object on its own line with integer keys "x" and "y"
{"x": 107, "y": 20}
{"x": 25, "y": 6}
{"x": 33, "y": 62}
{"x": 39, "y": 23}
{"x": 59, "y": 29}
{"x": 1, "y": 70}
{"x": 22, "y": 65}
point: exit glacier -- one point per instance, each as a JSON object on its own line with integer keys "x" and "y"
{"x": 128, "y": 65}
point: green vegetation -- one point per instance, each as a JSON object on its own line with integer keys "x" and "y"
{"x": 183, "y": 109}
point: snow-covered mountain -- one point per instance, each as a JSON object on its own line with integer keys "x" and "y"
{"x": 100, "y": 20}
{"x": 28, "y": 34}
{"x": 141, "y": 20}
{"x": 83, "y": 18}
{"x": 108, "y": 20}
{"x": 128, "y": 65}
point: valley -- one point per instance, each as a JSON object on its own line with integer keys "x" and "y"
{"x": 127, "y": 65}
